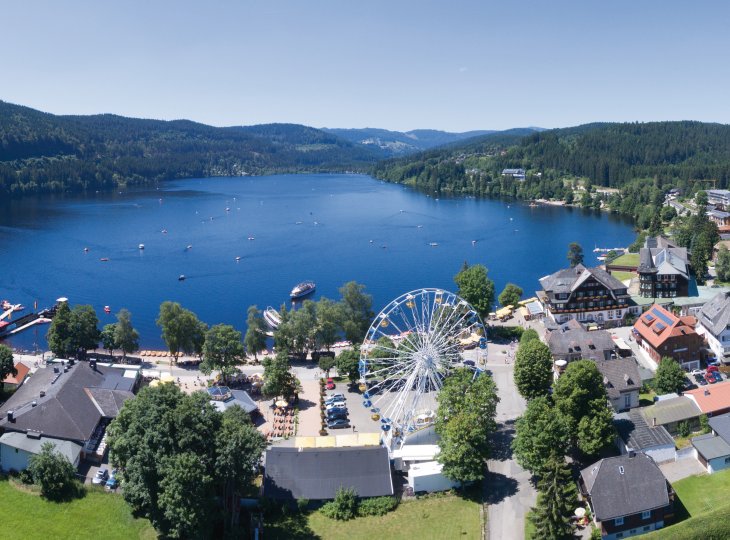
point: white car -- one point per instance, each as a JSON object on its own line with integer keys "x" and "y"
{"x": 336, "y": 405}
{"x": 100, "y": 477}
{"x": 697, "y": 372}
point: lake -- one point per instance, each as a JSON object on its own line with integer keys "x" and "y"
{"x": 285, "y": 229}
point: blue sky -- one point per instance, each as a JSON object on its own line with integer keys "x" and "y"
{"x": 456, "y": 65}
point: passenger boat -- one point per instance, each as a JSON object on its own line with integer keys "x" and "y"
{"x": 302, "y": 289}
{"x": 272, "y": 318}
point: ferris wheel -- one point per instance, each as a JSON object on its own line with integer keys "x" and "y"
{"x": 410, "y": 347}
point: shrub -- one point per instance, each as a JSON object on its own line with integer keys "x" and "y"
{"x": 683, "y": 429}
{"x": 302, "y": 505}
{"x": 53, "y": 473}
{"x": 705, "y": 424}
{"x": 377, "y": 506}
{"x": 344, "y": 506}
{"x": 322, "y": 432}
{"x": 505, "y": 332}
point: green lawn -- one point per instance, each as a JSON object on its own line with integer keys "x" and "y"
{"x": 421, "y": 519}
{"x": 706, "y": 500}
{"x": 622, "y": 276}
{"x": 97, "y": 515}
{"x": 627, "y": 259}
{"x": 702, "y": 493}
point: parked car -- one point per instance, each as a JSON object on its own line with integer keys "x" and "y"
{"x": 710, "y": 377}
{"x": 469, "y": 363}
{"x": 112, "y": 483}
{"x": 712, "y": 368}
{"x": 696, "y": 372}
{"x": 330, "y": 384}
{"x": 338, "y": 416}
{"x": 338, "y": 423}
{"x": 700, "y": 379}
{"x": 336, "y": 410}
{"x": 334, "y": 397}
{"x": 335, "y": 405}
{"x": 100, "y": 477}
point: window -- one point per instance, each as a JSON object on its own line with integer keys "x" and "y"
{"x": 647, "y": 528}
{"x": 627, "y": 400}
{"x": 646, "y": 514}
{"x": 618, "y": 521}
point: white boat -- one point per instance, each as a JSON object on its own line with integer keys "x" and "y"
{"x": 141, "y": 246}
{"x": 302, "y": 289}
{"x": 433, "y": 244}
{"x": 272, "y": 318}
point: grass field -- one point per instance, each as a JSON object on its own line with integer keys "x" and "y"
{"x": 706, "y": 499}
{"x": 421, "y": 519}
{"x": 623, "y": 276}
{"x": 98, "y": 515}
{"x": 628, "y": 259}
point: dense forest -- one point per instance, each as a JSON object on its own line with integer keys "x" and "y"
{"x": 639, "y": 161}
{"x": 41, "y": 152}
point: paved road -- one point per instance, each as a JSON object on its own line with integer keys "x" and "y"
{"x": 508, "y": 490}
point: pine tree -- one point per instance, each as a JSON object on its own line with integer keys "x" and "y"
{"x": 556, "y": 500}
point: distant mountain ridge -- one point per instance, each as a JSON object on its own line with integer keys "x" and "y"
{"x": 396, "y": 143}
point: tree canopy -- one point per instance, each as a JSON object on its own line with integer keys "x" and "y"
{"x": 556, "y": 501}
{"x": 670, "y": 377}
{"x": 255, "y": 339}
{"x": 278, "y": 380}
{"x": 476, "y": 288}
{"x": 7, "y": 364}
{"x": 540, "y": 432}
{"x": 222, "y": 351}
{"x": 181, "y": 329}
{"x": 511, "y": 295}
{"x": 125, "y": 336}
{"x": 73, "y": 329}
{"x": 464, "y": 421}
{"x": 176, "y": 453}
{"x": 52, "y": 472}
{"x": 575, "y": 254}
{"x": 533, "y": 372}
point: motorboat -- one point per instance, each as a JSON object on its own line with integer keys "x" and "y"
{"x": 181, "y": 277}
{"x": 104, "y": 259}
{"x": 302, "y": 289}
{"x": 107, "y": 309}
{"x": 238, "y": 259}
{"x": 433, "y": 244}
{"x": 272, "y": 318}
{"x": 141, "y": 246}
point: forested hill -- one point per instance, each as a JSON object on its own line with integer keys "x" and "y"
{"x": 41, "y": 152}
{"x": 395, "y": 143}
{"x": 642, "y": 160}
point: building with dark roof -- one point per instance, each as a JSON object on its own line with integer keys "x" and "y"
{"x": 661, "y": 333}
{"x": 628, "y": 495}
{"x": 622, "y": 382}
{"x": 712, "y": 452}
{"x": 68, "y": 402}
{"x": 571, "y": 341}
{"x": 713, "y": 323}
{"x": 16, "y": 449}
{"x": 317, "y": 474}
{"x": 663, "y": 269}
{"x": 636, "y": 435}
{"x": 585, "y": 294}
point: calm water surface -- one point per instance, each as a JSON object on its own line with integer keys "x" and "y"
{"x": 328, "y": 228}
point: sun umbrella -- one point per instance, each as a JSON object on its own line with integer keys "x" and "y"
{"x": 580, "y": 512}
{"x": 281, "y": 403}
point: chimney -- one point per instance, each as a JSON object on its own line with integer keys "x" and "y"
{"x": 11, "y": 416}
{"x": 34, "y": 403}
{"x": 632, "y": 454}
{"x": 43, "y": 393}
{"x": 653, "y": 421}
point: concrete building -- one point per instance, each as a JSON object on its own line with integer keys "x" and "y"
{"x": 670, "y": 411}
{"x": 661, "y": 334}
{"x": 663, "y": 269}
{"x": 713, "y": 399}
{"x": 571, "y": 341}
{"x": 719, "y": 198}
{"x": 713, "y": 324}
{"x": 14, "y": 381}
{"x": 16, "y": 449}
{"x": 713, "y": 449}
{"x": 622, "y": 382}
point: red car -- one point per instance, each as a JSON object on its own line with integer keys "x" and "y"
{"x": 712, "y": 369}
{"x": 330, "y": 384}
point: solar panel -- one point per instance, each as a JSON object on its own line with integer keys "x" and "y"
{"x": 659, "y": 326}
{"x": 648, "y": 317}
{"x": 662, "y": 316}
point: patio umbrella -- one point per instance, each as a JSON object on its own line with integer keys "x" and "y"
{"x": 281, "y": 403}
{"x": 580, "y": 512}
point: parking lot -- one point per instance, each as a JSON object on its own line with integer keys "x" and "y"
{"x": 359, "y": 416}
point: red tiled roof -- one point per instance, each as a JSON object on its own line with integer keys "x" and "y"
{"x": 711, "y": 398}
{"x": 23, "y": 370}
{"x": 657, "y": 325}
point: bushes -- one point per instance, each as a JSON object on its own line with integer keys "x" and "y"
{"x": 346, "y": 506}
{"x": 505, "y": 332}
{"x": 377, "y": 506}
